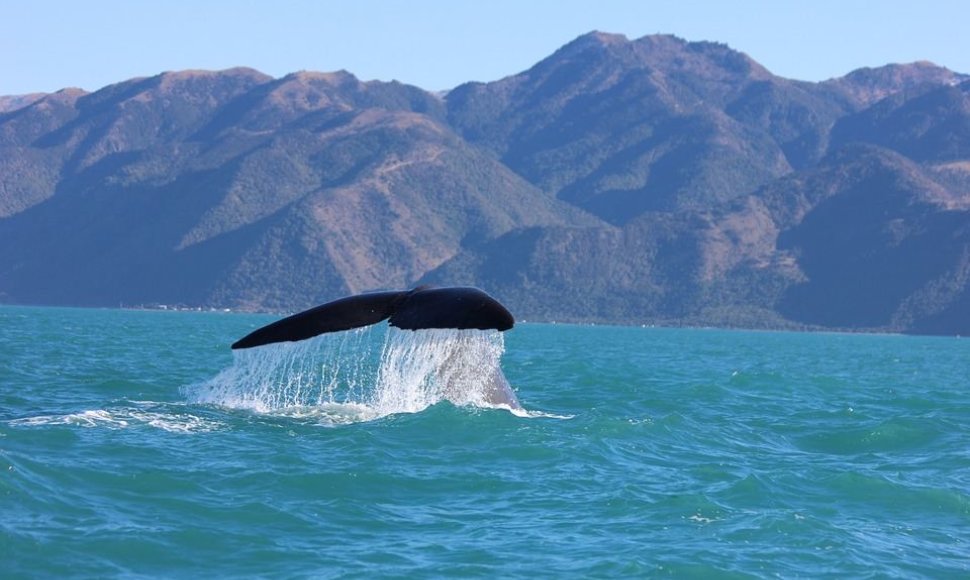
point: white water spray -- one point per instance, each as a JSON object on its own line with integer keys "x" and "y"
{"x": 420, "y": 368}
{"x": 365, "y": 373}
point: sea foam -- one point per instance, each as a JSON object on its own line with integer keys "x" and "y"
{"x": 126, "y": 417}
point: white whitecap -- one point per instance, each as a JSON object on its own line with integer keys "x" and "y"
{"x": 125, "y": 417}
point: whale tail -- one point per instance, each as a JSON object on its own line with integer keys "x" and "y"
{"x": 461, "y": 308}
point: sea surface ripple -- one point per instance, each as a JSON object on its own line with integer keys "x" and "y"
{"x": 641, "y": 452}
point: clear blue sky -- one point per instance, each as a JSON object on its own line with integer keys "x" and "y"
{"x": 46, "y": 45}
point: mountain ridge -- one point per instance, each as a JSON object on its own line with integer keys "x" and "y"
{"x": 645, "y": 181}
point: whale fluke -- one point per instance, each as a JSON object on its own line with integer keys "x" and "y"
{"x": 461, "y": 308}
{"x": 451, "y": 308}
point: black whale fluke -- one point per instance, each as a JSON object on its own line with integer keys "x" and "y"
{"x": 411, "y": 310}
{"x": 343, "y": 314}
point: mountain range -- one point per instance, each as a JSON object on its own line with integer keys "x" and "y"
{"x": 647, "y": 181}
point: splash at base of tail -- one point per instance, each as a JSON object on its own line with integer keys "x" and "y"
{"x": 460, "y": 366}
{"x": 452, "y": 354}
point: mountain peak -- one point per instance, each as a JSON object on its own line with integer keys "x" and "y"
{"x": 868, "y": 85}
{"x": 64, "y": 97}
{"x": 601, "y": 41}
{"x": 591, "y": 43}
{"x": 335, "y": 78}
{"x": 14, "y": 102}
{"x": 190, "y": 74}
{"x": 598, "y": 38}
{"x": 666, "y": 53}
{"x": 180, "y": 81}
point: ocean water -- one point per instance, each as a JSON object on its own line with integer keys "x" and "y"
{"x": 136, "y": 444}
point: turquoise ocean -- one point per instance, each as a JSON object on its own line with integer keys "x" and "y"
{"x": 137, "y": 444}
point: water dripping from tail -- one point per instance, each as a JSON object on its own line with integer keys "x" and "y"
{"x": 364, "y": 374}
{"x": 420, "y": 368}
{"x": 329, "y": 369}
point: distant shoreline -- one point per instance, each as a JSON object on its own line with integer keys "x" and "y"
{"x": 667, "y": 325}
